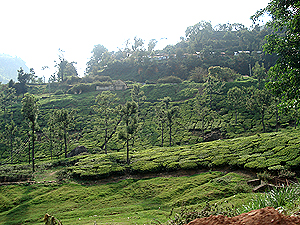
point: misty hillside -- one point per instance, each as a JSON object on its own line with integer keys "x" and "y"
{"x": 9, "y": 66}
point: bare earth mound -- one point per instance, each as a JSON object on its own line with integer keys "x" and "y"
{"x": 263, "y": 216}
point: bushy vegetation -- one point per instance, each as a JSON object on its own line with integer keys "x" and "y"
{"x": 274, "y": 152}
{"x": 128, "y": 201}
{"x": 283, "y": 198}
{"x": 200, "y": 116}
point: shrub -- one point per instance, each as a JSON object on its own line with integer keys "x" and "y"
{"x": 173, "y": 166}
{"x": 145, "y": 167}
{"x": 59, "y": 92}
{"x": 278, "y": 197}
{"x": 188, "y": 165}
{"x": 265, "y": 176}
{"x": 186, "y": 215}
{"x": 169, "y": 79}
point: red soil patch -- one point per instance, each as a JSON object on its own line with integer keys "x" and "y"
{"x": 264, "y": 216}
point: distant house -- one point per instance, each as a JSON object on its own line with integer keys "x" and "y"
{"x": 119, "y": 85}
{"x": 240, "y": 52}
{"x": 116, "y": 85}
{"x": 105, "y": 88}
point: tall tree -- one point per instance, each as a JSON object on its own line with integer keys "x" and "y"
{"x": 222, "y": 73}
{"x": 10, "y": 131}
{"x": 168, "y": 113}
{"x": 259, "y": 72}
{"x": 64, "y": 68}
{"x": 64, "y": 119}
{"x": 138, "y": 44}
{"x": 24, "y": 79}
{"x": 172, "y": 114}
{"x": 151, "y": 45}
{"x": 204, "y": 118}
{"x": 30, "y": 113}
{"x": 128, "y": 113}
{"x": 160, "y": 111}
{"x": 260, "y": 101}
{"x": 213, "y": 86}
{"x": 51, "y": 132}
{"x": 98, "y": 61}
{"x": 137, "y": 96}
{"x": 285, "y": 42}
{"x": 235, "y": 98}
{"x": 7, "y": 97}
{"x": 198, "y": 75}
{"x": 107, "y": 109}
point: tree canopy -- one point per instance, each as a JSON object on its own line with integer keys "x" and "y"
{"x": 285, "y": 42}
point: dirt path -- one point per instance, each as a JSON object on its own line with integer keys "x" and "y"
{"x": 265, "y": 216}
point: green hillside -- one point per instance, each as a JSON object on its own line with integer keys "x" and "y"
{"x": 130, "y": 201}
{"x": 207, "y": 126}
{"x": 211, "y": 152}
{"x": 104, "y": 189}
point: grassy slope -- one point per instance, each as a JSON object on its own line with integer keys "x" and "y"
{"x": 132, "y": 201}
{"x": 128, "y": 201}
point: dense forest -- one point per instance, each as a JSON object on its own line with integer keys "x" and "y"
{"x": 228, "y": 45}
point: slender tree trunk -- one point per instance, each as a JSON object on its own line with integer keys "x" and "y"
{"x": 236, "y": 114}
{"x": 29, "y": 148}
{"x": 277, "y": 119}
{"x": 51, "y": 147}
{"x": 296, "y": 119}
{"x": 4, "y": 113}
{"x": 11, "y": 149}
{"x": 170, "y": 131}
{"x": 33, "y": 147}
{"x": 105, "y": 137}
{"x": 162, "y": 135}
{"x": 65, "y": 141}
{"x": 263, "y": 120}
{"x": 105, "y": 141}
{"x": 127, "y": 144}
{"x": 127, "y": 148}
{"x": 111, "y": 134}
{"x": 202, "y": 129}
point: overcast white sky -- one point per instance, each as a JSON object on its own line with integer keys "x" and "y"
{"x": 34, "y": 30}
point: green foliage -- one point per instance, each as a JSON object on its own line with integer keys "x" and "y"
{"x": 170, "y": 80}
{"x": 246, "y": 152}
{"x": 30, "y": 107}
{"x": 284, "y": 76}
{"x": 13, "y": 173}
{"x": 187, "y": 215}
{"x": 138, "y": 201}
{"x": 201, "y": 118}
{"x": 278, "y": 197}
{"x": 198, "y": 75}
{"x": 128, "y": 114}
{"x": 264, "y": 176}
{"x": 222, "y": 73}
